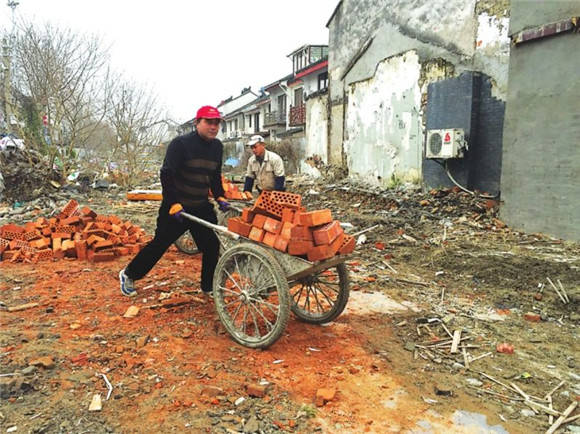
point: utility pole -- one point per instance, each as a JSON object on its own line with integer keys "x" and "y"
{"x": 8, "y": 43}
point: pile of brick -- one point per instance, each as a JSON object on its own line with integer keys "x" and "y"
{"x": 74, "y": 233}
{"x": 231, "y": 191}
{"x": 278, "y": 220}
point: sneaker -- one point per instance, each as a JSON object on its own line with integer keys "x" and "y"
{"x": 207, "y": 294}
{"x": 127, "y": 284}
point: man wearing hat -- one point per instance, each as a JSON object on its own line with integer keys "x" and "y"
{"x": 191, "y": 168}
{"x": 265, "y": 167}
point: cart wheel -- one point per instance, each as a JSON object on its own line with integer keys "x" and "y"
{"x": 186, "y": 244}
{"x": 251, "y": 295}
{"x": 321, "y": 297}
{"x": 223, "y": 217}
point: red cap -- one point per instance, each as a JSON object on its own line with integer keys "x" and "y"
{"x": 208, "y": 112}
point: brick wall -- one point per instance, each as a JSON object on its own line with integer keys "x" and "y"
{"x": 466, "y": 102}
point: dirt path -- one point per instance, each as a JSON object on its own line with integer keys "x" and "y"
{"x": 172, "y": 367}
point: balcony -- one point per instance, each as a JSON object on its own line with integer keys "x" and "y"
{"x": 297, "y": 115}
{"x": 275, "y": 118}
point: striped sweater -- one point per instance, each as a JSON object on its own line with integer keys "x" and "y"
{"x": 192, "y": 166}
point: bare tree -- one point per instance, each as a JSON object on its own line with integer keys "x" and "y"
{"x": 140, "y": 128}
{"x": 65, "y": 76}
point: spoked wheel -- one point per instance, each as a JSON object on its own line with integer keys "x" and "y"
{"x": 223, "y": 217}
{"x": 251, "y": 295}
{"x": 321, "y": 297}
{"x": 186, "y": 244}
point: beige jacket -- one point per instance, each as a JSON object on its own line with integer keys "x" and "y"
{"x": 264, "y": 173}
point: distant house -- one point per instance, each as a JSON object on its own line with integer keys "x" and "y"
{"x": 276, "y": 121}
{"x": 234, "y": 121}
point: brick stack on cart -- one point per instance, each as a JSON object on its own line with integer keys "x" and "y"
{"x": 278, "y": 220}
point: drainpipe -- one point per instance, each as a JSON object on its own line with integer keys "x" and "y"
{"x": 286, "y": 90}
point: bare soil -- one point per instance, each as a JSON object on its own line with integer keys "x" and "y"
{"x": 431, "y": 264}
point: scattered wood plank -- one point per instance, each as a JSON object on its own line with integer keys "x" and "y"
{"x": 22, "y": 307}
{"x": 456, "y": 340}
{"x": 562, "y": 418}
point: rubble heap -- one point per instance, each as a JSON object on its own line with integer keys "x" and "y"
{"x": 278, "y": 220}
{"x": 27, "y": 175}
{"x": 74, "y": 233}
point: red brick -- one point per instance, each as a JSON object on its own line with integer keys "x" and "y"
{"x": 272, "y": 225}
{"x": 11, "y": 235}
{"x": 533, "y": 317}
{"x": 327, "y": 233}
{"x": 17, "y": 244}
{"x": 259, "y": 220}
{"x": 70, "y": 220}
{"x": 247, "y": 215}
{"x": 299, "y": 247}
{"x": 269, "y": 239}
{"x": 102, "y": 256}
{"x": 348, "y": 245}
{"x": 256, "y": 234}
{"x": 256, "y": 390}
{"x": 81, "y": 249}
{"x": 316, "y": 218}
{"x": 281, "y": 243}
{"x": 235, "y": 224}
{"x": 86, "y": 211}
{"x": 69, "y": 208}
{"x": 44, "y": 254}
{"x": 32, "y": 235}
{"x": 301, "y": 233}
{"x": 68, "y": 247}
{"x": 325, "y": 251}
{"x": 319, "y": 253}
{"x": 287, "y": 200}
{"x": 7, "y": 255}
{"x": 40, "y": 243}
{"x": 12, "y": 228}
{"x": 288, "y": 215}
{"x": 65, "y": 235}
{"x": 286, "y": 231}
{"x": 102, "y": 245}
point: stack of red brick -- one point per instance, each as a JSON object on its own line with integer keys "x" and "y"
{"x": 75, "y": 233}
{"x": 231, "y": 191}
{"x": 278, "y": 220}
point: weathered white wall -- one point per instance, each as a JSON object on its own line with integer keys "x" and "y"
{"x": 448, "y": 37}
{"x": 383, "y": 125}
{"x": 317, "y": 127}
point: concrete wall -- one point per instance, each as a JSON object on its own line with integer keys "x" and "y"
{"x": 541, "y": 155}
{"x": 383, "y": 130}
{"x": 317, "y": 127}
{"x": 365, "y": 40}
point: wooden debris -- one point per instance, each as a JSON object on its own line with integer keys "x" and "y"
{"x": 562, "y": 418}
{"x": 96, "y": 404}
{"x": 563, "y": 291}
{"x": 22, "y": 307}
{"x": 557, "y": 292}
{"x": 455, "y": 342}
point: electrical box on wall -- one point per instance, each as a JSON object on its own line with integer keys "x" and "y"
{"x": 446, "y": 143}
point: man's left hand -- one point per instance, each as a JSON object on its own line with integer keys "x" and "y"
{"x": 223, "y": 204}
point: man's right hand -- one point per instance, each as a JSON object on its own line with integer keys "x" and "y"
{"x": 175, "y": 211}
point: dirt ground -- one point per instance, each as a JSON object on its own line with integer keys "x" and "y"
{"x": 427, "y": 266}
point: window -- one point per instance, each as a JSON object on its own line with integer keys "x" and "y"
{"x": 282, "y": 104}
{"x": 323, "y": 80}
{"x": 249, "y": 121}
{"x": 298, "y": 97}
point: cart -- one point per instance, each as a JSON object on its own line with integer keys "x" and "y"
{"x": 255, "y": 288}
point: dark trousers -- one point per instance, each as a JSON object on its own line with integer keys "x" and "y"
{"x": 168, "y": 231}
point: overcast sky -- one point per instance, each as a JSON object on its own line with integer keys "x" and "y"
{"x": 190, "y": 52}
